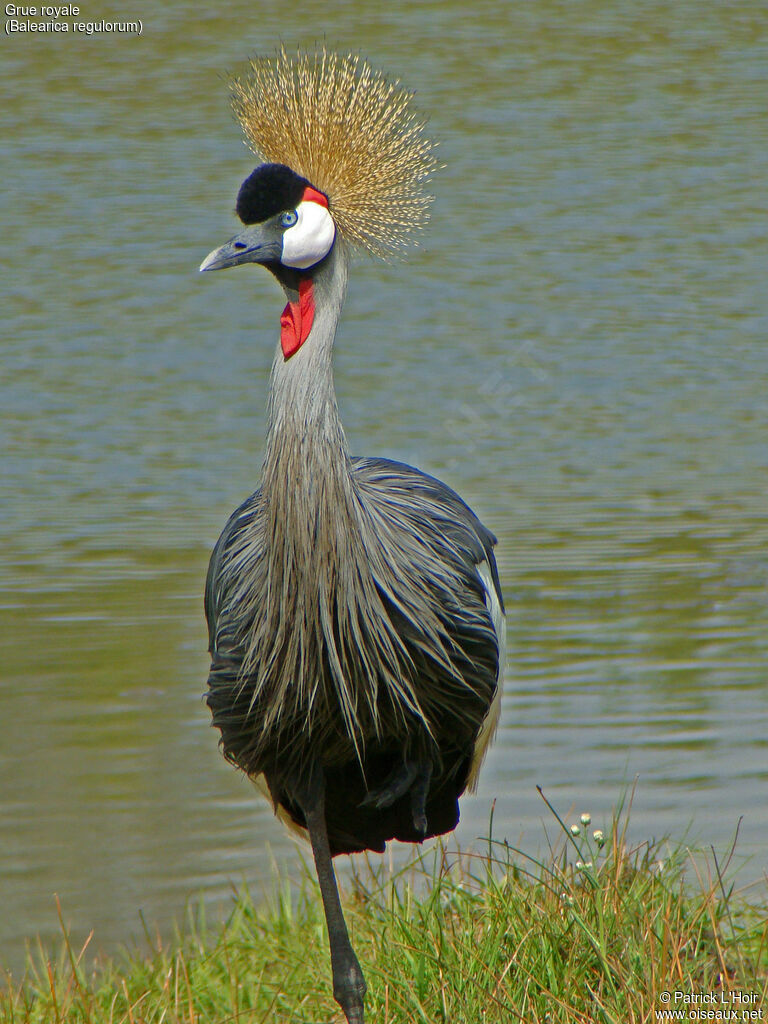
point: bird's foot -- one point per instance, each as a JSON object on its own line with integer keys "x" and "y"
{"x": 397, "y": 785}
{"x": 414, "y": 778}
{"x": 419, "y": 794}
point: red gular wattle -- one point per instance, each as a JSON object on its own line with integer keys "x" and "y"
{"x": 297, "y": 319}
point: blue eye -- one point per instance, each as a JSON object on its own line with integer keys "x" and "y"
{"x": 289, "y": 218}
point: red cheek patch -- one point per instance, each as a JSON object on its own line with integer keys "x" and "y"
{"x": 311, "y": 195}
{"x": 297, "y": 319}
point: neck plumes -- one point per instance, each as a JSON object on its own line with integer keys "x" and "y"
{"x": 312, "y": 514}
{"x": 323, "y": 640}
{"x": 305, "y": 442}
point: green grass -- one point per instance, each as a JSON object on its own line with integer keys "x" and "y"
{"x": 596, "y": 932}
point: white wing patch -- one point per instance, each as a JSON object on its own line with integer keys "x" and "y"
{"x": 488, "y": 728}
{"x": 310, "y": 238}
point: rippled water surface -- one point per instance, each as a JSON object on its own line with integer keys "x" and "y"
{"x": 579, "y": 347}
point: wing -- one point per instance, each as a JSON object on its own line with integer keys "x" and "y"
{"x": 461, "y": 579}
{"x": 445, "y": 511}
{"x": 236, "y": 577}
{"x": 242, "y": 521}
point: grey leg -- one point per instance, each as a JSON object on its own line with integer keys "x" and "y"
{"x": 348, "y": 981}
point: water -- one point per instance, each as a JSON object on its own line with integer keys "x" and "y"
{"x": 578, "y": 347}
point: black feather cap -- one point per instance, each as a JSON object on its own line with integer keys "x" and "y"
{"x": 268, "y": 190}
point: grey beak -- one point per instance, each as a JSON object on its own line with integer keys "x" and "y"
{"x": 256, "y": 244}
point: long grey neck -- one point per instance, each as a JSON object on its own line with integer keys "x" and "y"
{"x": 305, "y": 440}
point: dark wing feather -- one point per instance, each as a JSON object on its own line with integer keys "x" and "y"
{"x": 216, "y": 565}
{"x": 455, "y": 519}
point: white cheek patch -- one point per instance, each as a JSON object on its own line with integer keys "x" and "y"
{"x": 310, "y": 238}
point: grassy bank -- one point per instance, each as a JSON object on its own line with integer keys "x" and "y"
{"x": 596, "y": 932}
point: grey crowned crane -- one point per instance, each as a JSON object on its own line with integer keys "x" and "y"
{"x": 354, "y": 608}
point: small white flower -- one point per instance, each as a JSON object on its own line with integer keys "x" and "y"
{"x": 585, "y": 818}
{"x": 575, "y": 830}
{"x": 583, "y": 865}
{"x": 598, "y": 836}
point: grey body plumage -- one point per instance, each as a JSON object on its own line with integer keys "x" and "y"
{"x": 354, "y": 608}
